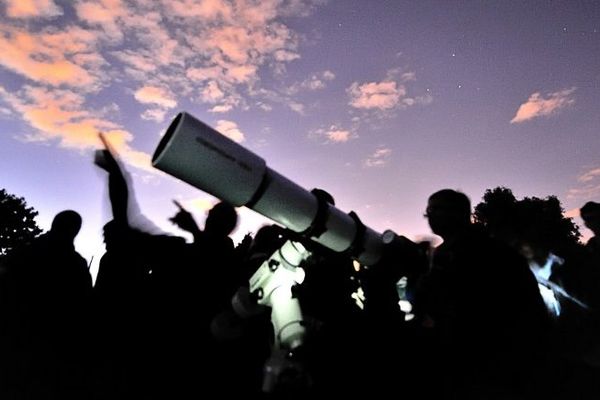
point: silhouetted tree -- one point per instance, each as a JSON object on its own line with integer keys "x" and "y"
{"x": 543, "y": 221}
{"x": 17, "y": 223}
{"x": 498, "y": 213}
{"x": 531, "y": 219}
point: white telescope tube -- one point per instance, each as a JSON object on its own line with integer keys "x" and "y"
{"x": 202, "y": 157}
{"x": 199, "y": 155}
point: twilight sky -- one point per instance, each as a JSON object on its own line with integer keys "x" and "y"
{"x": 380, "y": 103}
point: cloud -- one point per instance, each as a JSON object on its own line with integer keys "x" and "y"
{"x": 203, "y": 40}
{"x": 283, "y": 98}
{"x": 379, "y": 158}
{"x": 154, "y": 114}
{"x": 285, "y": 55}
{"x": 52, "y": 57}
{"x": 231, "y": 130}
{"x": 212, "y": 51}
{"x": 338, "y": 135}
{"x": 589, "y": 186}
{"x": 104, "y": 14}
{"x": 328, "y": 75}
{"x": 296, "y": 107}
{"x": 212, "y": 93}
{"x": 32, "y": 8}
{"x": 381, "y": 95}
{"x": 227, "y": 101}
{"x": 538, "y": 106}
{"x": 264, "y": 106}
{"x": 156, "y": 95}
{"x": 314, "y": 82}
{"x": 138, "y": 62}
{"x": 386, "y": 95}
{"x": 585, "y": 192}
{"x": 236, "y": 48}
{"x": 221, "y": 108}
{"x": 301, "y": 8}
{"x": 333, "y": 134}
{"x": 589, "y": 175}
{"x": 61, "y": 116}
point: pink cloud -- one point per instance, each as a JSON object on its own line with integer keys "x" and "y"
{"x": 212, "y": 93}
{"x": 338, "y": 136}
{"x": 32, "y": 8}
{"x": 103, "y": 13}
{"x": 381, "y": 95}
{"x": 137, "y": 61}
{"x": 589, "y": 188}
{"x": 238, "y": 46}
{"x": 207, "y": 10}
{"x": 332, "y": 134}
{"x": 589, "y": 175}
{"x": 202, "y": 74}
{"x": 296, "y": 107}
{"x": 231, "y": 130}
{"x": 60, "y": 115}
{"x": 286, "y": 55}
{"x": 538, "y": 106}
{"x": 155, "y": 95}
{"x": 154, "y": 114}
{"x": 225, "y": 41}
{"x": 52, "y": 58}
{"x": 242, "y": 73}
{"x": 221, "y": 108}
{"x": 50, "y": 111}
{"x": 389, "y": 94}
{"x": 233, "y": 42}
{"x": 586, "y": 192}
{"x": 316, "y": 81}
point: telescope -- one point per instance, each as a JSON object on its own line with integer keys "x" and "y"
{"x": 199, "y": 155}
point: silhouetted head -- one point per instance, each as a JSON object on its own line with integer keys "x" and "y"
{"x": 590, "y": 213}
{"x": 268, "y": 239}
{"x": 66, "y": 225}
{"x": 221, "y": 219}
{"x": 114, "y": 235}
{"x": 448, "y": 212}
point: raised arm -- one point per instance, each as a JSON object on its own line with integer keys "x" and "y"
{"x": 117, "y": 184}
{"x": 184, "y": 220}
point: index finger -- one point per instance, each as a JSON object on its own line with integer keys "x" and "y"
{"x": 107, "y": 144}
{"x": 178, "y": 204}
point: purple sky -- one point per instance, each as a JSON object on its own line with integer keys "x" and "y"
{"x": 380, "y": 103}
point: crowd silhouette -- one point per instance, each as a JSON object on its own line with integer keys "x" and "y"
{"x": 507, "y": 307}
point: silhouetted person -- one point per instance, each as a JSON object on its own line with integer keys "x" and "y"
{"x": 52, "y": 304}
{"x": 214, "y": 249}
{"x": 482, "y": 303}
{"x": 590, "y": 213}
{"x": 142, "y": 292}
{"x": 212, "y": 281}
